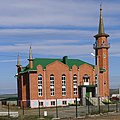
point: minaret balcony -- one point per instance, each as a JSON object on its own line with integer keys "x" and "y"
{"x": 103, "y": 45}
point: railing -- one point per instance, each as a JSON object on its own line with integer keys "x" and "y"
{"x": 103, "y": 45}
{"x": 90, "y": 100}
{"x": 89, "y": 83}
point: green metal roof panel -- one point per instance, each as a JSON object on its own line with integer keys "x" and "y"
{"x": 46, "y": 61}
{"x": 43, "y": 62}
{"x": 71, "y": 62}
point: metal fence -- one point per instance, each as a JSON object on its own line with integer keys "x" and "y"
{"x": 72, "y": 111}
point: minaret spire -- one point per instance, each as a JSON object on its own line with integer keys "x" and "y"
{"x": 18, "y": 60}
{"x": 101, "y": 31}
{"x": 101, "y": 24}
{"x": 30, "y": 54}
{"x": 30, "y": 58}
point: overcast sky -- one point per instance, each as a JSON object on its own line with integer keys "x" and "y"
{"x": 55, "y": 28}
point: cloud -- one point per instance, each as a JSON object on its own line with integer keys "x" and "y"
{"x": 54, "y": 28}
{"x": 47, "y": 48}
{"x": 5, "y": 61}
{"x": 114, "y": 82}
{"x": 29, "y": 31}
{"x": 114, "y": 50}
{"x": 114, "y": 34}
{"x": 45, "y": 12}
{"x": 54, "y": 12}
{"x": 56, "y": 46}
{"x": 52, "y": 43}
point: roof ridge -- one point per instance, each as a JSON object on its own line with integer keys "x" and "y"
{"x": 46, "y": 61}
{"x": 48, "y": 58}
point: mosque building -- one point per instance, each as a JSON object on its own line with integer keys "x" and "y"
{"x": 44, "y": 80}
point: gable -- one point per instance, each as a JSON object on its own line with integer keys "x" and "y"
{"x": 86, "y": 66}
{"x": 44, "y": 62}
{"x": 57, "y": 64}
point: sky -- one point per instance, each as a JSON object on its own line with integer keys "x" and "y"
{"x": 55, "y": 28}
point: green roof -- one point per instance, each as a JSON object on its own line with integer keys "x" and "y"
{"x": 46, "y": 61}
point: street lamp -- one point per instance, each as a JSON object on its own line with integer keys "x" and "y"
{"x": 97, "y": 73}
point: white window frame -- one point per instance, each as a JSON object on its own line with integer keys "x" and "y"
{"x": 52, "y": 85}
{"x": 75, "y": 89}
{"x": 64, "y": 102}
{"x": 63, "y": 85}
{"x": 41, "y": 104}
{"x": 52, "y": 103}
{"x": 86, "y": 79}
{"x": 40, "y": 90}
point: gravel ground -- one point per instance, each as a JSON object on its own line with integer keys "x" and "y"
{"x": 66, "y": 113}
{"x": 109, "y": 116}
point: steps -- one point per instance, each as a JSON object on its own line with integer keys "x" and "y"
{"x": 93, "y": 101}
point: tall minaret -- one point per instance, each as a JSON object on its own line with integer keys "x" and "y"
{"x": 101, "y": 47}
{"x": 30, "y": 58}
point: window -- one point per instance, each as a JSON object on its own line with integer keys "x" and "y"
{"x": 64, "y": 102}
{"x": 86, "y": 79}
{"x": 52, "y": 89}
{"x": 40, "y": 85}
{"x": 40, "y": 103}
{"x": 75, "y": 84}
{"x": 102, "y": 42}
{"x": 63, "y": 85}
{"x": 52, "y": 103}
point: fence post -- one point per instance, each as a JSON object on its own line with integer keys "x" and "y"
{"x": 76, "y": 108}
{"x": 88, "y": 106}
{"x": 39, "y": 107}
{"x": 99, "y": 104}
{"x": 23, "y": 107}
{"x": 56, "y": 109}
{"x": 116, "y": 107}
{"x": 8, "y": 110}
{"x": 108, "y": 105}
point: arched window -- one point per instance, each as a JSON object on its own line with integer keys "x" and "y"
{"x": 39, "y": 85}
{"x": 63, "y": 84}
{"x": 75, "y": 84}
{"x": 86, "y": 79}
{"x": 52, "y": 88}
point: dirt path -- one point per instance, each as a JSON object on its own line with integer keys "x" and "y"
{"x": 110, "y": 116}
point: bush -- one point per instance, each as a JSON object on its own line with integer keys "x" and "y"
{"x": 107, "y": 101}
{"x": 73, "y": 104}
